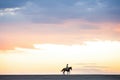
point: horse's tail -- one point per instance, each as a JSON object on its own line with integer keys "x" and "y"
{"x": 62, "y": 70}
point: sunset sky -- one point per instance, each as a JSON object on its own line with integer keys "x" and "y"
{"x": 42, "y": 36}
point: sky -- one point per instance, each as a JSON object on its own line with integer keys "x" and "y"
{"x": 42, "y": 36}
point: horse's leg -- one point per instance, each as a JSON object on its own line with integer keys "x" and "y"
{"x": 63, "y": 72}
{"x": 67, "y": 72}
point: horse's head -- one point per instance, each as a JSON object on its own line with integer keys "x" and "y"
{"x": 70, "y": 68}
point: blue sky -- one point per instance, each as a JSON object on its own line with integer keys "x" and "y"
{"x": 53, "y": 11}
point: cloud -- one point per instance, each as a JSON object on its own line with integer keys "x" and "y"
{"x": 8, "y": 11}
{"x": 94, "y": 66}
{"x": 40, "y": 11}
{"x": 84, "y": 64}
{"x": 66, "y": 22}
{"x": 69, "y": 32}
{"x": 91, "y": 68}
{"x": 11, "y": 15}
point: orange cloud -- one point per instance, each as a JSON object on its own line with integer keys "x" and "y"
{"x": 68, "y": 32}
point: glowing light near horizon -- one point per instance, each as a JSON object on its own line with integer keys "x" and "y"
{"x": 100, "y": 52}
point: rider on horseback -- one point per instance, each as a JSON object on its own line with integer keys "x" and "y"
{"x": 67, "y": 67}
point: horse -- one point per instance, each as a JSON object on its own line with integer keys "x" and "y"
{"x": 66, "y": 69}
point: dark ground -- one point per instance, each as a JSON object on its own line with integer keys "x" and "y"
{"x": 59, "y": 77}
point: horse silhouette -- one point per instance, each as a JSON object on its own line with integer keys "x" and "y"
{"x": 66, "y": 69}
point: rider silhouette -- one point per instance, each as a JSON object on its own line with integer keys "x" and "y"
{"x": 67, "y": 67}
